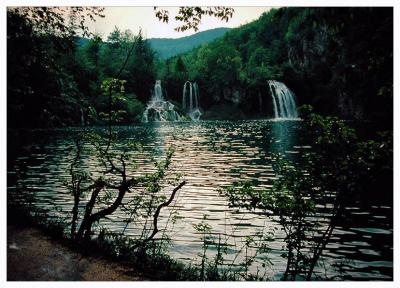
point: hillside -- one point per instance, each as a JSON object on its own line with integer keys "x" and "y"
{"x": 318, "y": 53}
{"x": 168, "y": 47}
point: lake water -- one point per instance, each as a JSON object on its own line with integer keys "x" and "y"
{"x": 210, "y": 155}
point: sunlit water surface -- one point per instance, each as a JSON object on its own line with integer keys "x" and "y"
{"x": 210, "y": 155}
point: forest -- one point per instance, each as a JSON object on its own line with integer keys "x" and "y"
{"x": 55, "y": 78}
{"x": 262, "y": 152}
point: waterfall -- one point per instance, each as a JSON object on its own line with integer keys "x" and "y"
{"x": 191, "y": 91}
{"x": 158, "y": 95}
{"x": 82, "y": 118}
{"x": 184, "y": 98}
{"x": 283, "y": 100}
{"x": 159, "y": 109}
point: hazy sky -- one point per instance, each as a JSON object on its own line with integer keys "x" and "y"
{"x": 135, "y": 17}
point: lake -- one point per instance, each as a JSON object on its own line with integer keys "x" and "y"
{"x": 210, "y": 155}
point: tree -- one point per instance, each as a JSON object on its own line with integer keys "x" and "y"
{"x": 180, "y": 70}
{"x": 41, "y": 43}
{"x": 318, "y": 52}
{"x": 62, "y": 22}
{"x": 97, "y": 61}
{"x": 260, "y": 69}
{"x": 191, "y": 16}
{"x": 221, "y": 67}
{"x": 339, "y": 168}
{"x": 88, "y": 73}
{"x": 141, "y": 71}
{"x": 106, "y": 193}
{"x": 115, "y": 182}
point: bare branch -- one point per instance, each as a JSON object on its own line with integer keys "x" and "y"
{"x": 157, "y": 213}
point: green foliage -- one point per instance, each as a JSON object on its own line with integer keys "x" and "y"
{"x": 242, "y": 59}
{"x": 41, "y": 89}
{"x": 190, "y": 17}
{"x": 340, "y": 169}
{"x": 218, "y": 66}
{"x": 134, "y": 109}
{"x": 138, "y": 73}
{"x": 104, "y": 190}
{"x": 255, "y": 248}
{"x": 55, "y": 78}
{"x": 59, "y": 21}
{"x": 259, "y": 70}
{"x": 318, "y": 52}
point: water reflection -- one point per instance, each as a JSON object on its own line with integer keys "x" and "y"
{"x": 210, "y": 154}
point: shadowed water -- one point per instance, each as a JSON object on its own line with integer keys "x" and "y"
{"x": 210, "y": 155}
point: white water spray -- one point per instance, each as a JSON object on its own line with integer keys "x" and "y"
{"x": 283, "y": 100}
{"x": 191, "y": 91}
{"x": 158, "y": 109}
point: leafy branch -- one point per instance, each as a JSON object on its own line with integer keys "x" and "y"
{"x": 191, "y": 17}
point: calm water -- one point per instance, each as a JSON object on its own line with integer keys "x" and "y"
{"x": 210, "y": 155}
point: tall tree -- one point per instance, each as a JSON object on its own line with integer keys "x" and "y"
{"x": 41, "y": 40}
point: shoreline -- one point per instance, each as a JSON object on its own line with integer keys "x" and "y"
{"x": 34, "y": 256}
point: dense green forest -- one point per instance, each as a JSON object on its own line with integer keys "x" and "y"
{"x": 56, "y": 81}
{"x": 340, "y": 60}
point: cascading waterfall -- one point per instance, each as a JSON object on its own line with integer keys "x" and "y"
{"x": 159, "y": 109}
{"x": 191, "y": 91}
{"x": 283, "y": 100}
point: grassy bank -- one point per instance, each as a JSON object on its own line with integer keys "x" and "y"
{"x": 120, "y": 254}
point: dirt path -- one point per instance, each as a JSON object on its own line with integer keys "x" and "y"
{"x": 32, "y": 256}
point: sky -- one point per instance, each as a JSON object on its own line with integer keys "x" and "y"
{"x": 134, "y": 18}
